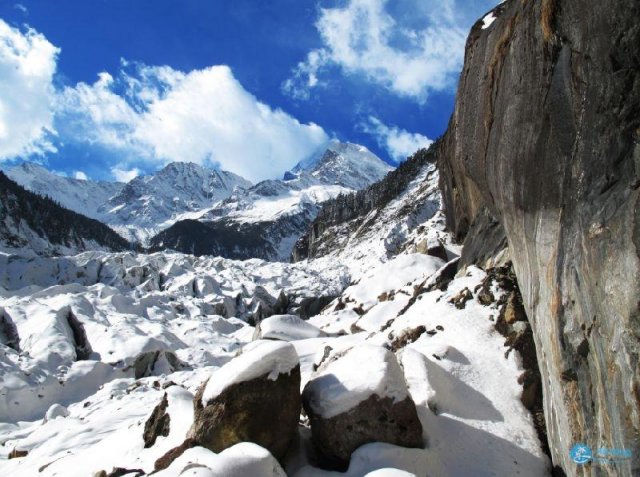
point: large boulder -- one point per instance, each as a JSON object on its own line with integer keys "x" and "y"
{"x": 358, "y": 398}
{"x": 253, "y": 398}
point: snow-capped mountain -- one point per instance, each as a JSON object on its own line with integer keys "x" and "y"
{"x": 265, "y": 220}
{"x": 82, "y": 196}
{"x": 342, "y": 163}
{"x": 148, "y": 204}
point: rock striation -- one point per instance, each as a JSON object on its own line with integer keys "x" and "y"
{"x": 543, "y": 153}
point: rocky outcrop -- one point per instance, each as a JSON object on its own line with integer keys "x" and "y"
{"x": 8, "y": 331}
{"x": 544, "y": 149}
{"x": 356, "y": 398}
{"x": 158, "y": 424}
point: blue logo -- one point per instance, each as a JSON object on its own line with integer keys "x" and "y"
{"x": 581, "y": 454}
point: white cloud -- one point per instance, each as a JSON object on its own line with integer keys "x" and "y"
{"x": 22, "y": 8}
{"x": 80, "y": 175}
{"x": 416, "y": 50}
{"x": 27, "y": 66}
{"x": 399, "y": 143}
{"x": 124, "y": 175}
{"x": 203, "y": 116}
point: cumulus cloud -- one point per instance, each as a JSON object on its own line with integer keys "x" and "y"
{"x": 159, "y": 115}
{"x": 411, "y": 47}
{"x": 125, "y": 175}
{"x": 27, "y": 66}
{"x": 80, "y": 175}
{"x": 399, "y": 143}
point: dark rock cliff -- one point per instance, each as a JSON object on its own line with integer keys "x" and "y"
{"x": 544, "y": 149}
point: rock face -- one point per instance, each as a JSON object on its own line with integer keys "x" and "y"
{"x": 254, "y": 398}
{"x": 544, "y": 144}
{"x": 358, "y": 398}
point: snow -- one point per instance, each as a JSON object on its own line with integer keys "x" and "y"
{"x": 181, "y": 320}
{"x": 288, "y": 328}
{"x": 488, "y": 20}
{"x": 381, "y": 458}
{"x": 241, "y": 460}
{"x": 391, "y": 276}
{"x": 260, "y": 358}
{"x": 362, "y": 372}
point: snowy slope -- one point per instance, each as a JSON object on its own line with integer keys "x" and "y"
{"x": 465, "y": 387}
{"x": 82, "y": 196}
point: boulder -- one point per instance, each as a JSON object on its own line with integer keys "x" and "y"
{"x": 434, "y": 247}
{"x": 358, "y": 398}
{"x": 253, "y": 398}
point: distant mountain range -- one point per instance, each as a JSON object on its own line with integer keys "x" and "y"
{"x": 192, "y": 209}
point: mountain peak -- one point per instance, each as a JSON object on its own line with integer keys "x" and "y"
{"x": 343, "y": 163}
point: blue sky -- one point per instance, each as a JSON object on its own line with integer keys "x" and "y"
{"x": 114, "y": 88}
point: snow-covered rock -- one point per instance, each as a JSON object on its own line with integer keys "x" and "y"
{"x": 241, "y": 460}
{"x": 357, "y": 398}
{"x": 254, "y": 398}
{"x": 286, "y": 328}
{"x": 261, "y": 358}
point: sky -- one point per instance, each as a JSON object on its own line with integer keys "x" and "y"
{"x": 110, "y": 89}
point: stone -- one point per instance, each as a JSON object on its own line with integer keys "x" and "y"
{"x": 544, "y": 143}
{"x": 264, "y": 410}
{"x": 433, "y": 247}
{"x": 461, "y": 298}
{"x": 16, "y": 454}
{"x": 158, "y": 423}
{"x": 359, "y": 397}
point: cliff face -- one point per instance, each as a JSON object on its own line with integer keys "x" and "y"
{"x": 544, "y": 147}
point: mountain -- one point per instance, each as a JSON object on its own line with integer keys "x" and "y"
{"x": 32, "y": 223}
{"x": 82, "y": 196}
{"x": 387, "y": 210}
{"x": 148, "y": 204}
{"x": 342, "y": 163}
{"x": 265, "y": 221}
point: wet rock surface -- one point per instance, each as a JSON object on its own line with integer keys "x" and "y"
{"x": 545, "y": 143}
